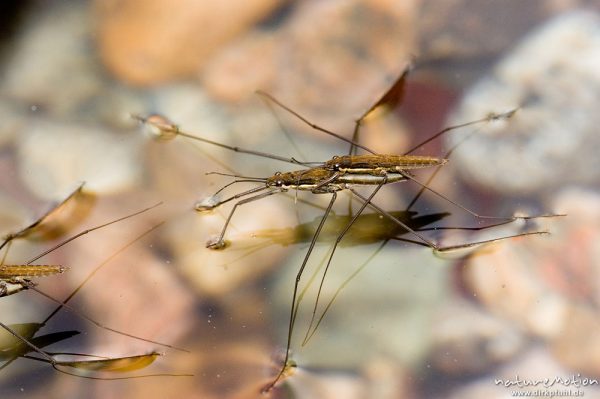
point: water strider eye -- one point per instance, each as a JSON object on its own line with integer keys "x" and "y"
{"x": 336, "y": 162}
{"x": 278, "y": 182}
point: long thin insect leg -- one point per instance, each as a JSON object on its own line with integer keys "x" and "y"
{"x": 409, "y": 177}
{"x": 28, "y": 343}
{"x": 84, "y": 232}
{"x": 335, "y": 245}
{"x": 168, "y": 128}
{"x": 282, "y": 127}
{"x": 353, "y": 147}
{"x": 343, "y": 285}
{"x": 488, "y": 118}
{"x": 44, "y": 354}
{"x": 435, "y": 247}
{"x": 71, "y": 309}
{"x": 435, "y": 172}
{"x": 96, "y": 270}
{"x": 63, "y": 304}
{"x": 5, "y": 253}
{"x": 7, "y": 239}
{"x": 57, "y": 364}
{"x": 48, "y": 356}
{"x": 393, "y": 219}
{"x": 381, "y": 246}
{"x": 133, "y": 377}
{"x": 325, "y": 182}
{"x": 219, "y": 243}
{"x": 312, "y": 125}
{"x": 294, "y": 307}
{"x": 7, "y": 363}
{"x": 464, "y": 228}
{"x": 451, "y": 248}
{"x": 235, "y": 182}
{"x": 391, "y": 98}
{"x": 201, "y": 206}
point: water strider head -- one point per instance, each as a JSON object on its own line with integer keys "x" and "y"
{"x": 306, "y": 179}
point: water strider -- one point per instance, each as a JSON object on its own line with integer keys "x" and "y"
{"x": 19, "y": 340}
{"x": 340, "y": 173}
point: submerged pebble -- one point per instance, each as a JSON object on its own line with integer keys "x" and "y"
{"x": 553, "y": 137}
{"x": 53, "y": 155}
{"x": 545, "y": 285}
{"x": 150, "y": 42}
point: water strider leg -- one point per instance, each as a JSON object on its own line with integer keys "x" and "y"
{"x": 391, "y": 98}
{"x": 430, "y": 243}
{"x": 335, "y": 245}
{"x": 309, "y": 335}
{"x": 425, "y": 186}
{"x": 288, "y": 136}
{"x": 167, "y": 129}
{"x": 490, "y": 117}
{"x": 28, "y": 343}
{"x": 294, "y": 308}
{"x": 511, "y": 218}
{"x": 30, "y": 285}
{"x": 219, "y": 242}
{"x": 100, "y": 325}
{"x": 438, "y": 168}
{"x": 84, "y": 232}
{"x": 345, "y": 283}
{"x": 9, "y": 242}
{"x": 325, "y": 182}
{"x": 48, "y": 357}
{"x": 96, "y": 270}
{"x": 204, "y": 205}
{"x": 312, "y": 125}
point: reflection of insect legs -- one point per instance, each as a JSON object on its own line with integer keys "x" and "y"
{"x": 15, "y": 278}
{"x": 339, "y": 173}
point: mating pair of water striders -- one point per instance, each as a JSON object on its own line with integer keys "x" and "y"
{"x": 340, "y": 173}
{"x": 330, "y": 177}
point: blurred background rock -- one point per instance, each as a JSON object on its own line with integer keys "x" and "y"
{"x": 405, "y": 324}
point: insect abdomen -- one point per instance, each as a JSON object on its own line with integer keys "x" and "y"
{"x": 359, "y": 163}
{"x": 12, "y": 271}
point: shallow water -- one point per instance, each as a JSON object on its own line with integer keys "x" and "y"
{"x": 403, "y": 323}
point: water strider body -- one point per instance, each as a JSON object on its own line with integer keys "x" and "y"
{"x": 330, "y": 177}
{"x": 342, "y": 171}
{"x": 337, "y": 174}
